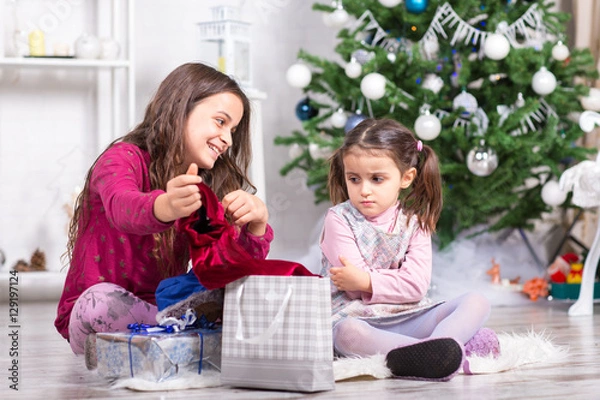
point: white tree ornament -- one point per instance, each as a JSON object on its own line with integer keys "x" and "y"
{"x": 372, "y": 86}
{"x": 496, "y": 46}
{"x": 467, "y": 101}
{"x": 390, "y": 3}
{"x": 482, "y": 160}
{"x": 353, "y": 69}
{"x": 560, "y": 52}
{"x": 427, "y": 126}
{"x": 433, "y": 82}
{"x": 339, "y": 118}
{"x": 339, "y": 17}
{"x": 298, "y": 75}
{"x": 327, "y": 19}
{"x": 543, "y": 82}
{"x": 552, "y": 194}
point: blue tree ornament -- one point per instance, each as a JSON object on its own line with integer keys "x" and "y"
{"x": 352, "y": 121}
{"x": 416, "y": 6}
{"x": 305, "y": 111}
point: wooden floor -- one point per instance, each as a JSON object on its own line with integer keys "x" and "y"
{"x": 48, "y": 369}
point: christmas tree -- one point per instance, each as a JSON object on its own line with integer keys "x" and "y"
{"x": 490, "y": 85}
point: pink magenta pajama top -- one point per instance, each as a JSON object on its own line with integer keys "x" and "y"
{"x": 117, "y": 244}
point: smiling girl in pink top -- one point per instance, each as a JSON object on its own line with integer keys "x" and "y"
{"x": 123, "y": 239}
{"x": 376, "y": 245}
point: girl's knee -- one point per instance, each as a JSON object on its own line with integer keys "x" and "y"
{"x": 478, "y": 303}
{"x": 351, "y": 326}
{"x": 348, "y": 334}
{"x": 106, "y": 307}
{"x": 101, "y": 289}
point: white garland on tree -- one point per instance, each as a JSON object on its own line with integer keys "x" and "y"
{"x": 530, "y": 26}
{"x": 380, "y": 37}
{"x": 540, "y": 115}
{"x": 371, "y": 24}
{"x": 445, "y": 16}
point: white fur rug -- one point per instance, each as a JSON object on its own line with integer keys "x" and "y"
{"x": 517, "y": 350}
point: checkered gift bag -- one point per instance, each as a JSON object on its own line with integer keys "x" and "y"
{"x": 277, "y": 333}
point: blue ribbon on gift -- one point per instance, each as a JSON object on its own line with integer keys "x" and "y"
{"x": 186, "y": 322}
{"x": 144, "y": 329}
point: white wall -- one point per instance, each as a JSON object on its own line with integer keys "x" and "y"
{"x": 48, "y": 118}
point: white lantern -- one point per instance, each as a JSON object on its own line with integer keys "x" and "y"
{"x": 227, "y": 42}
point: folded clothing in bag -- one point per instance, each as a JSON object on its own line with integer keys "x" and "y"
{"x": 157, "y": 356}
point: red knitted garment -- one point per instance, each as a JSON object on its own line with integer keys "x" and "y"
{"x": 217, "y": 258}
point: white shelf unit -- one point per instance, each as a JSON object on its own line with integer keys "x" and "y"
{"x": 110, "y": 85}
{"x": 109, "y": 13}
{"x": 23, "y": 62}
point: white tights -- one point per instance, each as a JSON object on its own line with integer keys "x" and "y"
{"x": 459, "y": 319}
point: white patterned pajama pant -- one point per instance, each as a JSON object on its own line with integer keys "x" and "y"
{"x": 106, "y": 307}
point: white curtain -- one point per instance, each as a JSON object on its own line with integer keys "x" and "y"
{"x": 586, "y": 17}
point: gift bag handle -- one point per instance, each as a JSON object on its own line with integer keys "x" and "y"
{"x": 270, "y": 331}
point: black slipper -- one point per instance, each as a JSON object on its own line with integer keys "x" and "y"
{"x": 435, "y": 359}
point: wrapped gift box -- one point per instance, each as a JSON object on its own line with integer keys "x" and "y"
{"x": 157, "y": 356}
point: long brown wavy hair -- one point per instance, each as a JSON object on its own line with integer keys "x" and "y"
{"x": 161, "y": 134}
{"x": 378, "y": 137}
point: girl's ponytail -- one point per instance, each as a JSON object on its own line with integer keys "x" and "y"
{"x": 425, "y": 198}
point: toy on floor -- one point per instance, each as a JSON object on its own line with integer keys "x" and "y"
{"x": 576, "y": 273}
{"x": 561, "y": 267}
{"x": 536, "y": 288}
{"x": 36, "y": 263}
{"x": 494, "y": 272}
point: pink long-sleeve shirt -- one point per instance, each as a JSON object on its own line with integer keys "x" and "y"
{"x": 116, "y": 246}
{"x": 405, "y": 283}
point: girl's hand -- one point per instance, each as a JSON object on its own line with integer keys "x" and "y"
{"x": 182, "y": 196}
{"x": 350, "y": 278}
{"x": 245, "y": 208}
